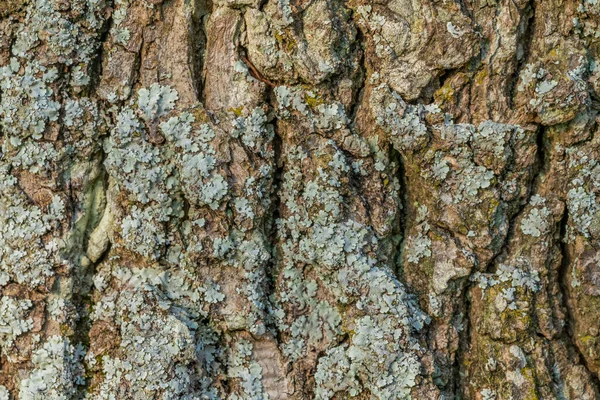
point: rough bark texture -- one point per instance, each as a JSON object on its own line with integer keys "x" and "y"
{"x": 299, "y": 199}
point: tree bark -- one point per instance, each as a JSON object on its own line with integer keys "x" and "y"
{"x": 290, "y": 199}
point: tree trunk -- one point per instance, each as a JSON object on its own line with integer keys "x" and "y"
{"x": 290, "y": 199}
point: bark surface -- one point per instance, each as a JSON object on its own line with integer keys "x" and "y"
{"x": 299, "y": 199}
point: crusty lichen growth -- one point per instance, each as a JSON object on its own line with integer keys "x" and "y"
{"x": 161, "y": 347}
{"x": 333, "y": 269}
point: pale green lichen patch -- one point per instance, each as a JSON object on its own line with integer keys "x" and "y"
{"x": 254, "y": 130}
{"x": 180, "y": 160}
{"x": 74, "y": 40}
{"x": 242, "y": 367}
{"x": 536, "y": 222}
{"x": 175, "y": 218}
{"x": 35, "y": 92}
{"x": 583, "y": 194}
{"x": 24, "y": 256}
{"x": 321, "y": 117}
{"x": 28, "y": 104}
{"x": 402, "y": 122}
{"x": 514, "y": 275}
{"x": 162, "y": 346}
{"x": 248, "y": 253}
{"x": 14, "y": 320}
{"x": 154, "y": 176}
{"x": 315, "y": 231}
{"x": 156, "y": 101}
{"x": 197, "y": 163}
{"x": 57, "y": 371}
{"x": 120, "y": 33}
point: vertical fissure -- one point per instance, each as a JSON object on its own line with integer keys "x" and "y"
{"x": 403, "y": 224}
{"x": 198, "y": 40}
{"x": 569, "y": 329}
{"x": 524, "y": 43}
{"x": 272, "y": 222}
{"x": 464, "y": 343}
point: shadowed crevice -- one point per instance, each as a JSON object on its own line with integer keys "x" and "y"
{"x": 569, "y": 329}
{"x": 197, "y": 42}
{"x": 524, "y": 47}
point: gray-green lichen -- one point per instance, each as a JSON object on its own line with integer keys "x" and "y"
{"x": 327, "y": 266}
{"x": 57, "y": 371}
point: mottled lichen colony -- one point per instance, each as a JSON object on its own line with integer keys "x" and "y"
{"x": 299, "y": 200}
